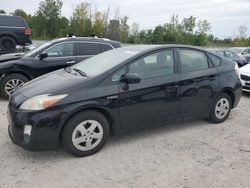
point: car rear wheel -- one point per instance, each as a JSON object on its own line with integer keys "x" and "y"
{"x": 10, "y": 83}
{"x": 85, "y": 133}
{"x": 221, "y": 108}
{"x": 7, "y": 44}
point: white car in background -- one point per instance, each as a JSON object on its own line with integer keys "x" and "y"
{"x": 242, "y": 52}
{"x": 245, "y": 77}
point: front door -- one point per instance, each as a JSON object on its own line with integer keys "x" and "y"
{"x": 155, "y": 99}
{"x": 59, "y": 56}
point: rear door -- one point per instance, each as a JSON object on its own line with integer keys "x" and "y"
{"x": 198, "y": 82}
{"x": 86, "y": 50}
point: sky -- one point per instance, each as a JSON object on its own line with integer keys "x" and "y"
{"x": 225, "y": 16}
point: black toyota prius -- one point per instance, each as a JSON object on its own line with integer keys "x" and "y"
{"x": 121, "y": 90}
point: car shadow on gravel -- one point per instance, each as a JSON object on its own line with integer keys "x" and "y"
{"x": 115, "y": 141}
{"x": 246, "y": 94}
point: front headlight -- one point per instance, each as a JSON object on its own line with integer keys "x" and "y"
{"x": 41, "y": 102}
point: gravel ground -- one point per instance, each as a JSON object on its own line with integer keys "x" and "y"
{"x": 188, "y": 154}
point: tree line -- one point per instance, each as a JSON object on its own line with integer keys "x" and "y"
{"x": 48, "y": 23}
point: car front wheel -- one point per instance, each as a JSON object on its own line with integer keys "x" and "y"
{"x": 10, "y": 83}
{"x": 85, "y": 133}
{"x": 221, "y": 108}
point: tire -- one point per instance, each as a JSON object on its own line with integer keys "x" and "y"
{"x": 7, "y": 44}
{"x": 221, "y": 108}
{"x": 85, "y": 133}
{"x": 14, "y": 80}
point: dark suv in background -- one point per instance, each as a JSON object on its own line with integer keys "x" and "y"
{"x": 13, "y": 31}
{"x": 48, "y": 57}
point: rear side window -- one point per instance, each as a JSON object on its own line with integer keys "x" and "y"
{"x": 214, "y": 59}
{"x": 12, "y": 21}
{"x": 88, "y": 49}
{"x": 192, "y": 60}
{"x": 105, "y": 47}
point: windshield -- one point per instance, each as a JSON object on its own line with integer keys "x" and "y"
{"x": 105, "y": 61}
{"x": 37, "y": 49}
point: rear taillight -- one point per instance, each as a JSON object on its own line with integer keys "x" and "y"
{"x": 27, "y": 31}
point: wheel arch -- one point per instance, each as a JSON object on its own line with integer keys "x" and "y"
{"x": 9, "y": 35}
{"x": 103, "y": 111}
{"x": 27, "y": 75}
{"x": 229, "y": 91}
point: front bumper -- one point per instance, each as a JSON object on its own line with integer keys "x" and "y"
{"x": 245, "y": 85}
{"x": 46, "y": 126}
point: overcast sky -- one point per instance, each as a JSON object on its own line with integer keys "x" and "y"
{"x": 225, "y": 16}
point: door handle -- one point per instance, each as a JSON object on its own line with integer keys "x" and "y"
{"x": 70, "y": 62}
{"x": 212, "y": 77}
{"x": 171, "y": 89}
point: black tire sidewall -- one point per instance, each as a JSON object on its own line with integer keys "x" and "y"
{"x": 76, "y": 120}
{"x": 6, "y": 79}
{"x": 13, "y": 46}
{"x": 213, "y": 118}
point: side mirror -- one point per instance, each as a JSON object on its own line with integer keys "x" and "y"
{"x": 43, "y": 56}
{"x": 130, "y": 78}
{"x": 244, "y": 53}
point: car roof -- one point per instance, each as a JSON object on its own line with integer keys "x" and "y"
{"x": 144, "y": 48}
{"x": 85, "y": 39}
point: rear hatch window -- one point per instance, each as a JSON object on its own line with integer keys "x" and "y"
{"x": 12, "y": 21}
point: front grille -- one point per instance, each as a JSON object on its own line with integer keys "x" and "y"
{"x": 247, "y": 84}
{"x": 247, "y": 88}
{"x": 244, "y": 77}
{"x": 248, "y": 59}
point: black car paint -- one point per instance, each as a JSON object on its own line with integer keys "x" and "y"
{"x": 32, "y": 67}
{"x": 178, "y": 96}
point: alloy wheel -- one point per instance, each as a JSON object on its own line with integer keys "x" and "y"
{"x": 12, "y": 84}
{"x": 87, "y": 135}
{"x": 222, "y": 108}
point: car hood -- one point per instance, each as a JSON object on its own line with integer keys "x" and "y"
{"x": 52, "y": 83}
{"x": 245, "y": 69}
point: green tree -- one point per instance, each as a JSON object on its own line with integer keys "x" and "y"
{"x": 2, "y": 11}
{"x": 99, "y": 24}
{"x": 124, "y": 29}
{"x": 21, "y": 13}
{"x": 81, "y": 24}
{"x": 46, "y": 23}
{"x": 113, "y": 29}
{"x": 189, "y": 24}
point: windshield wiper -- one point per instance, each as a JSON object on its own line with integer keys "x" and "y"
{"x": 80, "y": 72}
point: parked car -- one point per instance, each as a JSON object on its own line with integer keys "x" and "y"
{"x": 245, "y": 77}
{"x": 242, "y": 52}
{"x": 122, "y": 90}
{"x": 231, "y": 55}
{"x": 48, "y": 57}
{"x": 13, "y": 31}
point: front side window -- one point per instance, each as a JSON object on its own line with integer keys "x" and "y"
{"x": 192, "y": 60}
{"x": 154, "y": 65}
{"x": 60, "y": 50}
